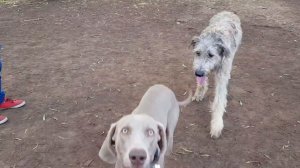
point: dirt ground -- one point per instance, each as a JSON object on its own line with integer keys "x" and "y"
{"x": 81, "y": 65}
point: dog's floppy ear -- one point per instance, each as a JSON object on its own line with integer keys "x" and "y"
{"x": 195, "y": 40}
{"x": 223, "y": 50}
{"x": 107, "y": 152}
{"x": 162, "y": 142}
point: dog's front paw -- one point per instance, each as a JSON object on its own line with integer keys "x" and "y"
{"x": 216, "y": 127}
{"x": 197, "y": 98}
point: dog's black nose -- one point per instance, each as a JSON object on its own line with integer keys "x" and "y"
{"x": 199, "y": 73}
{"x": 137, "y": 156}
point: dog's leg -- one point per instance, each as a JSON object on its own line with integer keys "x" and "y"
{"x": 161, "y": 162}
{"x": 200, "y": 91}
{"x": 170, "y": 141}
{"x": 219, "y": 103}
{"x": 173, "y": 116}
{"x": 197, "y": 93}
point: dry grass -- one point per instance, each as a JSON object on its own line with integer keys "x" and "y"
{"x": 10, "y": 2}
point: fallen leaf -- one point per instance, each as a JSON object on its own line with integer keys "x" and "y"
{"x": 28, "y": 20}
{"x": 61, "y": 137}
{"x": 186, "y": 150}
{"x": 180, "y": 152}
{"x": 267, "y": 156}
{"x": 250, "y": 161}
{"x": 87, "y": 163}
{"x": 53, "y": 109}
{"x": 247, "y": 126}
{"x": 35, "y": 147}
{"x": 143, "y": 3}
{"x": 205, "y": 155}
{"x": 285, "y": 147}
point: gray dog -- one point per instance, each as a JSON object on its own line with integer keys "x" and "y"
{"x": 214, "y": 52}
{"x": 141, "y": 139}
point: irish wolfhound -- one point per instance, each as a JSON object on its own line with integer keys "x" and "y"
{"x": 214, "y": 52}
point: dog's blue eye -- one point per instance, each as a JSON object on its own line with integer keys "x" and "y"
{"x": 150, "y": 132}
{"x": 125, "y": 130}
{"x": 210, "y": 55}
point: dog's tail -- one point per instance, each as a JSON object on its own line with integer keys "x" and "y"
{"x": 187, "y": 100}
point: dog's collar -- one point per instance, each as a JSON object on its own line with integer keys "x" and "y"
{"x": 155, "y": 159}
{"x": 156, "y": 166}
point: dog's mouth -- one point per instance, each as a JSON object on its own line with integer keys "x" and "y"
{"x": 201, "y": 80}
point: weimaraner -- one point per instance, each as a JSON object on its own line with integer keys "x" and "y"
{"x": 142, "y": 138}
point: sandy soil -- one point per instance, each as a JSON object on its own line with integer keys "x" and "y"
{"x": 81, "y": 65}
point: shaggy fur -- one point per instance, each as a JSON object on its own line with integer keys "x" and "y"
{"x": 214, "y": 52}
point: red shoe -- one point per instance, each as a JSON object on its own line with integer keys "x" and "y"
{"x": 3, "y": 119}
{"x": 9, "y": 103}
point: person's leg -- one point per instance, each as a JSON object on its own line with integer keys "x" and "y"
{"x": 2, "y": 93}
{"x": 6, "y": 103}
{"x": 3, "y": 119}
